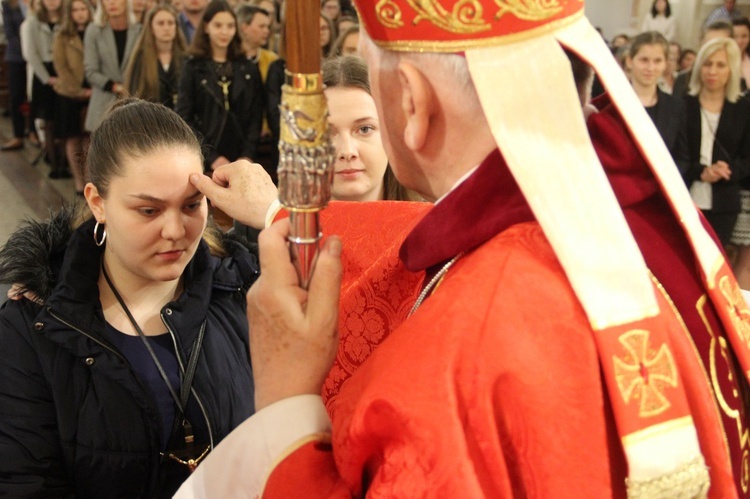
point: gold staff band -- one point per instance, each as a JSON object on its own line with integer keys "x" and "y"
{"x": 306, "y": 154}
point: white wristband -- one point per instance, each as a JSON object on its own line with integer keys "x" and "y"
{"x": 273, "y": 210}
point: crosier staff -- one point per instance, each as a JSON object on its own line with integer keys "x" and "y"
{"x": 305, "y": 151}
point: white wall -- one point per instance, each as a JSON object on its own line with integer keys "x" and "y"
{"x": 616, "y": 16}
{"x": 612, "y": 16}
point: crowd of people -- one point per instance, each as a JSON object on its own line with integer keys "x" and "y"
{"x": 209, "y": 62}
{"x": 699, "y": 104}
{"x": 472, "y": 328}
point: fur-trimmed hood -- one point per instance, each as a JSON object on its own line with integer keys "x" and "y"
{"x": 33, "y": 254}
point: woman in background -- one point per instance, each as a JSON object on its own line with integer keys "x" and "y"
{"x": 327, "y": 36}
{"x": 71, "y": 85}
{"x": 155, "y": 68}
{"x": 660, "y": 19}
{"x": 742, "y": 37}
{"x": 347, "y": 43}
{"x": 14, "y": 13}
{"x": 221, "y": 93}
{"x": 105, "y": 62}
{"x": 37, "y": 47}
{"x": 646, "y": 61}
{"x": 718, "y": 133}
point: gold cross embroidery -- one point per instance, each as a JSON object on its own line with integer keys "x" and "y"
{"x": 737, "y": 308}
{"x": 643, "y": 373}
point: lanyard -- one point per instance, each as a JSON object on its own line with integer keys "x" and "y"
{"x": 188, "y": 374}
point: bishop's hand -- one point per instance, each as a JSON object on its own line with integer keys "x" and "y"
{"x": 242, "y": 190}
{"x": 293, "y": 332}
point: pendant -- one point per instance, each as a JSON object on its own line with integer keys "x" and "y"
{"x": 225, "y": 90}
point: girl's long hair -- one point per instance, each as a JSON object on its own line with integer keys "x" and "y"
{"x": 67, "y": 26}
{"x": 142, "y": 74}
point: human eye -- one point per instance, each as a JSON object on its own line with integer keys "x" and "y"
{"x": 366, "y": 129}
{"x": 147, "y": 211}
{"x": 194, "y": 205}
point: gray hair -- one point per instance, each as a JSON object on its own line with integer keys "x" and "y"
{"x": 452, "y": 68}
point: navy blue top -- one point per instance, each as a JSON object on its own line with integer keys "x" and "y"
{"x": 133, "y": 349}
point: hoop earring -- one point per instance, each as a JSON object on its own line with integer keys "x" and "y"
{"x": 104, "y": 234}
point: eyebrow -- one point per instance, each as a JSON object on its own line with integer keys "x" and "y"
{"x": 147, "y": 197}
{"x": 366, "y": 118}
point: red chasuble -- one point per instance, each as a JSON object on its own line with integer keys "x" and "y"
{"x": 493, "y": 387}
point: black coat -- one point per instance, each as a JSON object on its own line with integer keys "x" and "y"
{"x": 669, "y": 117}
{"x": 201, "y": 105}
{"x": 732, "y": 144}
{"x": 74, "y": 419}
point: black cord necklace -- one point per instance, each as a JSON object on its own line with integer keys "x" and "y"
{"x": 187, "y": 382}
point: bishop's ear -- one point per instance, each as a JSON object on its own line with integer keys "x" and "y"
{"x": 417, "y": 104}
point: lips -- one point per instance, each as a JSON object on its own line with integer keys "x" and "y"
{"x": 170, "y": 255}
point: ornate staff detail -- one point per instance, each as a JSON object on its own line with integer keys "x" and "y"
{"x": 305, "y": 152}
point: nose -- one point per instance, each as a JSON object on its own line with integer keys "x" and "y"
{"x": 174, "y": 228}
{"x": 346, "y": 150}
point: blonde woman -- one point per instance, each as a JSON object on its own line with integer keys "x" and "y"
{"x": 104, "y": 61}
{"x": 718, "y": 134}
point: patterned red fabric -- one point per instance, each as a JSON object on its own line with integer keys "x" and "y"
{"x": 377, "y": 291}
{"x": 493, "y": 388}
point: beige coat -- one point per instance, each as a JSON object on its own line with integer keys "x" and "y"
{"x": 67, "y": 56}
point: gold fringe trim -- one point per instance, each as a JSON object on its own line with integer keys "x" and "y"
{"x": 691, "y": 480}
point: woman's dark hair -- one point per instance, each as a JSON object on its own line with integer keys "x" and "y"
{"x": 134, "y": 128}
{"x": 351, "y": 72}
{"x": 684, "y": 54}
{"x": 201, "y": 46}
{"x": 667, "y": 11}
{"x": 648, "y": 38}
{"x": 743, "y": 21}
{"x": 326, "y": 49}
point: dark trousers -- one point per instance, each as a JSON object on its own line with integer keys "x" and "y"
{"x": 17, "y": 96}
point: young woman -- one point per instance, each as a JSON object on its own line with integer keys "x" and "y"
{"x": 40, "y": 28}
{"x": 718, "y": 132}
{"x": 13, "y": 17}
{"x": 105, "y": 62}
{"x": 221, "y": 94}
{"x": 136, "y": 365}
{"x": 660, "y": 19}
{"x": 327, "y": 35}
{"x": 687, "y": 59}
{"x": 155, "y": 68}
{"x": 361, "y": 169}
{"x": 742, "y": 37}
{"x": 347, "y": 43}
{"x": 71, "y": 85}
{"x": 331, "y": 9}
{"x": 646, "y": 62}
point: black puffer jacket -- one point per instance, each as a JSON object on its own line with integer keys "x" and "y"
{"x": 74, "y": 419}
